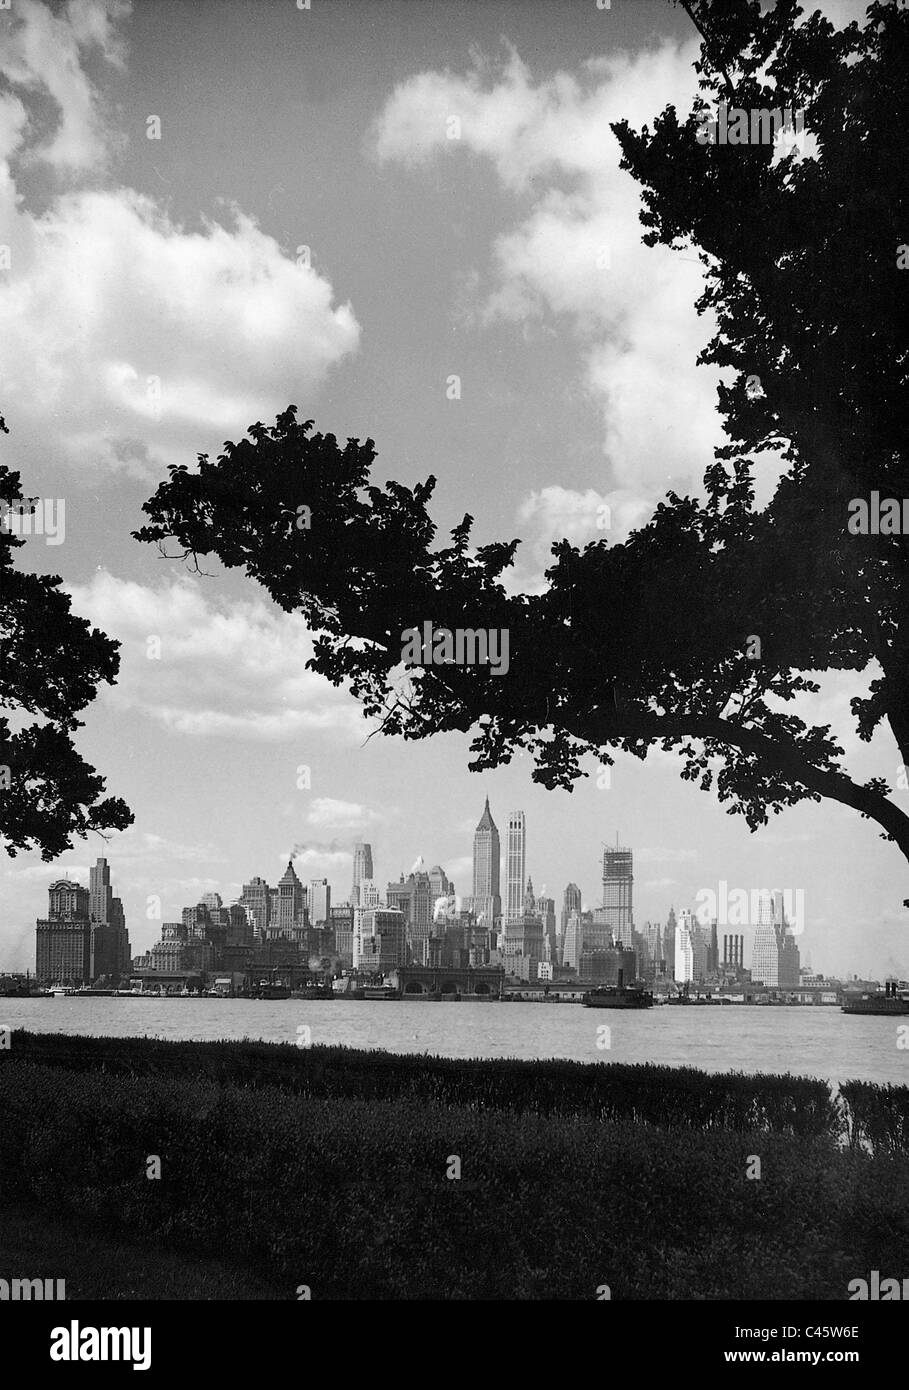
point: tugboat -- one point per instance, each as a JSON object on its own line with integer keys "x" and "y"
{"x": 618, "y": 996}
{"x": 271, "y": 989}
{"x": 684, "y": 997}
{"x": 887, "y": 1003}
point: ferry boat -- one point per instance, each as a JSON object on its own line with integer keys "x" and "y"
{"x": 888, "y": 1002}
{"x": 618, "y": 996}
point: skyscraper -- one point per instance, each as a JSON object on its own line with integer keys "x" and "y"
{"x": 775, "y": 956}
{"x": 790, "y": 960}
{"x": 99, "y": 891}
{"x": 63, "y": 937}
{"x": 440, "y": 885}
{"x": 571, "y": 902}
{"x": 618, "y": 882}
{"x": 485, "y": 901}
{"x": 362, "y": 869}
{"x": 684, "y": 948}
{"x": 319, "y": 901}
{"x": 765, "y": 953}
{"x": 382, "y": 945}
{"x": 515, "y": 865}
{"x": 546, "y": 909}
{"x": 578, "y": 926}
{"x": 110, "y": 955}
{"x": 414, "y": 898}
{"x": 291, "y": 902}
{"x": 255, "y": 898}
{"x": 669, "y": 942}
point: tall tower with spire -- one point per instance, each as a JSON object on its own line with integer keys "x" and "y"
{"x": 291, "y": 902}
{"x": 485, "y": 900}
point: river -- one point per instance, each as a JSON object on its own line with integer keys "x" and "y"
{"x": 808, "y": 1041}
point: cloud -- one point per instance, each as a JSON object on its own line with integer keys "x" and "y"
{"x": 556, "y": 513}
{"x": 138, "y": 847}
{"x": 237, "y": 671}
{"x": 43, "y": 54}
{"x": 577, "y": 253}
{"x": 327, "y": 813}
{"x": 131, "y": 339}
{"x": 649, "y": 855}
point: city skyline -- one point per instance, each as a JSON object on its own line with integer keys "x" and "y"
{"x": 290, "y": 896}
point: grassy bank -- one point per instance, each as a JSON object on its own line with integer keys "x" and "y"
{"x": 875, "y": 1118}
{"x": 349, "y": 1194}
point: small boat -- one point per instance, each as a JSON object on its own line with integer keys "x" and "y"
{"x": 889, "y": 1002}
{"x": 61, "y": 992}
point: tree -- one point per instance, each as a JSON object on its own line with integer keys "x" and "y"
{"x": 698, "y": 632}
{"x": 51, "y": 663}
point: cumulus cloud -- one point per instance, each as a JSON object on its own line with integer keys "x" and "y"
{"x": 577, "y": 253}
{"x": 327, "y": 813}
{"x": 233, "y": 670}
{"x": 43, "y": 54}
{"x": 129, "y": 337}
{"x": 557, "y": 513}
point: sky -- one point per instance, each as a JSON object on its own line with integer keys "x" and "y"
{"x": 348, "y": 205}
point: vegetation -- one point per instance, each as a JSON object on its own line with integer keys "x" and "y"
{"x": 352, "y": 1198}
{"x": 103, "y": 1264}
{"x": 876, "y": 1117}
{"x": 669, "y": 1097}
{"x": 51, "y": 664}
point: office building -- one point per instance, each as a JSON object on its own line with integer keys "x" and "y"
{"x": 485, "y": 901}
{"x": 601, "y": 965}
{"x": 413, "y": 897}
{"x": 342, "y": 921}
{"x": 618, "y": 883}
{"x": 109, "y": 950}
{"x": 515, "y": 865}
{"x": 362, "y": 869}
{"x": 383, "y": 943}
{"x": 576, "y": 933}
{"x": 765, "y": 953}
{"x": 255, "y": 898}
{"x": 523, "y": 945}
{"x": 546, "y": 909}
{"x": 571, "y": 902}
{"x": 63, "y": 937}
{"x": 775, "y": 960}
{"x": 440, "y": 885}
{"x": 319, "y": 901}
{"x": 684, "y": 948}
{"x": 669, "y": 943}
{"x": 291, "y": 904}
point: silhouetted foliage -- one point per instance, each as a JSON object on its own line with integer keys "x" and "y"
{"x": 51, "y": 663}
